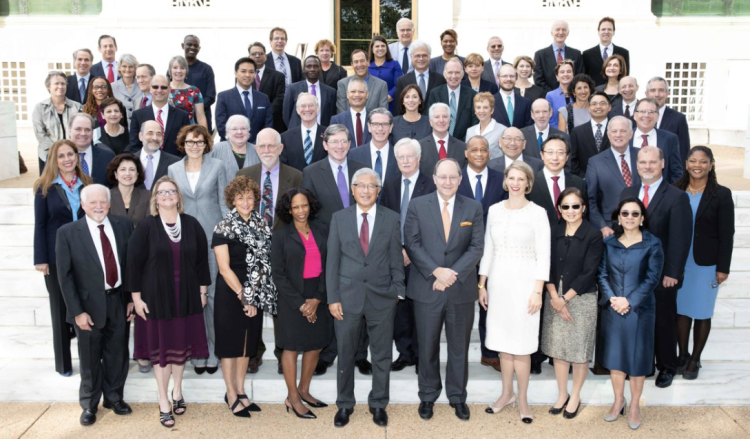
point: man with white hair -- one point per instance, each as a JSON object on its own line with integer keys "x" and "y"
{"x": 440, "y": 144}
{"x": 400, "y": 49}
{"x": 303, "y": 144}
{"x": 547, "y": 58}
{"x": 495, "y": 48}
{"x": 421, "y": 76}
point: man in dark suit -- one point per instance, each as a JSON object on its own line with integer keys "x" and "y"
{"x": 440, "y": 144}
{"x": 108, "y": 67}
{"x": 669, "y": 119}
{"x": 539, "y": 132}
{"x": 670, "y": 219}
{"x": 311, "y": 84}
{"x": 377, "y": 89}
{"x": 143, "y": 75}
{"x": 593, "y": 59}
{"x": 200, "y": 74}
{"x": 154, "y": 161}
{"x": 303, "y": 144}
{"x": 94, "y": 158}
{"x": 354, "y": 119}
{"x": 286, "y": 64}
{"x": 646, "y": 134}
{"x": 365, "y": 280}
{"x": 377, "y": 154}
{"x": 243, "y": 99}
{"x": 269, "y": 82}
{"x": 511, "y": 109}
{"x": 590, "y": 139}
{"x": 78, "y": 83}
{"x": 160, "y": 110}
{"x": 513, "y": 144}
{"x": 459, "y": 98}
{"x": 628, "y": 88}
{"x": 421, "y": 76}
{"x": 444, "y": 238}
{"x": 495, "y": 48}
{"x": 547, "y": 58}
{"x": 91, "y": 254}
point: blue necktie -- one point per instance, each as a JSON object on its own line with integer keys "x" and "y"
{"x": 82, "y": 89}
{"x": 404, "y": 206}
{"x": 308, "y": 148}
{"x": 539, "y": 141}
{"x": 379, "y": 165}
{"x": 452, "y": 106}
{"x": 341, "y": 183}
{"x": 478, "y": 195}
{"x": 422, "y": 86}
{"x": 248, "y": 105}
{"x": 510, "y": 111}
{"x": 405, "y": 61}
{"x": 84, "y": 165}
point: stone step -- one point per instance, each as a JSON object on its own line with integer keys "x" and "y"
{"x": 16, "y": 197}
{"x": 17, "y": 214}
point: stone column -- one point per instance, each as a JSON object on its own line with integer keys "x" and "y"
{"x": 8, "y": 141}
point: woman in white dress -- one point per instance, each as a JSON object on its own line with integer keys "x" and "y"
{"x": 516, "y": 260}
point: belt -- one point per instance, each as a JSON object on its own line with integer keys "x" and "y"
{"x": 112, "y": 291}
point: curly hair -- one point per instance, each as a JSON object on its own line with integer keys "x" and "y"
{"x": 117, "y": 161}
{"x": 91, "y": 108}
{"x": 581, "y": 77}
{"x": 240, "y": 185}
{"x": 284, "y": 206}
{"x": 195, "y": 130}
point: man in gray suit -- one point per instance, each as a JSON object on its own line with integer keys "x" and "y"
{"x": 401, "y": 49}
{"x": 537, "y": 134}
{"x": 365, "y": 279}
{"x": 440, "y": 144}
{"x": 377, "y": 89}
{"x": 444, "y": 238}
{"x": 495, "y": 48}
{"x": 513, "y": 144}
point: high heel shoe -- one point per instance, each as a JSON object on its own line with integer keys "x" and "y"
{"x": 524, "y": 418}
{"x": 556, "y": 411}
{"x": 635, "y": 425}
{"x": 166, "y": 417}
{"x": 571, "y": 415}
{"x": 178, "y": 406}
{"x": 318, "y": 404}
{"x": 253, "y": 407}
{"x": 308, "y": 415}
{"x": 613, "y": 418}
{"x": 244, "y": 413}
{"x": 492, "y": 410}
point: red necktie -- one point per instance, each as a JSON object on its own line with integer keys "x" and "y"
{"x": 559, "y": 56}
{"x": 161, "y": 124}
{"x": 110, "y": 266}
{"x": 364, "y": 234}
{"x": 110, "y": 74}
{"x": 358, "y": 130}
{"x": 645, "y": 140}
{"x": 556, "y": 192}
{"x": 442, "y": 153}
{"x": 143, "y": 102}
{"x": 645, "y": 196}
{"x": 625, "y": 171}
{"x": 257, "y": 81}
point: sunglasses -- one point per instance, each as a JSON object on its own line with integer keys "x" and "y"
{"x": 570, "y": 206}
{"x": 634, "y": 214}
{"x": 160, "y": 87}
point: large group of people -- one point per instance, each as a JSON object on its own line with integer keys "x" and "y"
{"x": 376, "y": 209}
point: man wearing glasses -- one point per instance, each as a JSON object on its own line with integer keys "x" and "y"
{"x": 513, "y": 145}
{"x": 511, "y": 109}
{"x": 646, "y": 134}
{"x": 169, "y": 118}
{"x": 377, "y": 154}
{"x": 590, "y": 139}
{"x": 495, "y": 48}
{"x": 400, "y": 50}
{"x": 284, "y": 63}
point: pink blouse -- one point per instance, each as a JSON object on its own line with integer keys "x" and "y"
{"x": 313, "y": 267}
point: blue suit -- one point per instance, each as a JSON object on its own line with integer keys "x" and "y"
{"x": 229, "y": 102}
{"x": 521, "y": 111}
{"x": 605, "y": 183}
{"x": 345, "y": 119}
{"x": 101, "y": 156}
{"x": 670, "y": 146}
{"x": 363, "y": 154}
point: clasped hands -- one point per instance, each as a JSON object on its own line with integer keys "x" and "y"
{"x": 620, "y": 305}
{"x": 444, "y": 278}
{"x": 309, "y": 309}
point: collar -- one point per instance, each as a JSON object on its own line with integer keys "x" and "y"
{"x": 653, "y": 185}
{"x": 274, "y": 170}
{"x": 241, "y": 90}
{"x": 473, "y": 175}
{"x": 604, "y": 124}
{"x": 412, "y": 179}
{"x": 451, "y": 200}
{"x": 370, "y": 213}
{"x": 335, "y": 166}
{"x": 548, "y": 173}
{"x": 93, "y": 225}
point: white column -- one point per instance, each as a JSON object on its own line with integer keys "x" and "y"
{"x": 8, "y": 141}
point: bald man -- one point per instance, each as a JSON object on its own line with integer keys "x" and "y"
{"x": 547, "y": 58}
{"x": 171, "y": 119}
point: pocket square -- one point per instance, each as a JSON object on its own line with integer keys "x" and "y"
{"x": 466, "y": 223}
{"x": 261, "y": 108}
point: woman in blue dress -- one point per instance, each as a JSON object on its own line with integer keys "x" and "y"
{"x": 710, "y": 256}
{"x": 383, "y": 66}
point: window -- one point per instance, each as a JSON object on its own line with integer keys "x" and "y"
{"x": 13, "y": 86}
{"x": 718, "y": 8}
{"x": 686, "y": 87}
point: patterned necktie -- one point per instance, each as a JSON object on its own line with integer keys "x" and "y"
{"x": 144, "y": 102}
{"x": 645, "y": 196}
{"x": 358, "y": 130}
{"x": 422, "y": 86}
{"x": 248, "y": 105}
{"x": 267, "y": 197}
{"x": 82, "y": 89}
{"x": 110, "y": 265}
{"x": 341, "y": 183}
{"x": 625, "y": 171}
{"x": 478, "y": 192}
{"x": 379, "y": 165}
{"x": 604, "y": 55}
{"x": 645, "y": 140}
{"x": 257, "y": 81}
{"x": 555, "y": 193}
{"x": 559, "y": 56}
{"x": 510, "y": 111}
{"x": 160, "y": 121}
{"x": 540, "y": 140}
{"x": 84, "y": 165}
{"x": 442, "y": 153}
{"x": 404, "y": 206}
{"x": 598, "y": 137}
{"x": 110, "y": 74}
{"x": 282, "y": 69}
{"x": 627, "y": 111}
{"x": 452, "y": 106}
{"x": 308, "y": 148}
{"x": 364, "y": 234}
{"x": 497, "y": 67}
{"x": 405, "y": 61}
{"x": 446, "y": 221}
{"x": 149, "y": 173}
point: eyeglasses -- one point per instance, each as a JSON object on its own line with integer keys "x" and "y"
{"x": 634, "y": 214}
{"x": 599, "y": 104}
{"x": 380, "y": 125}
{"x": 337, "y": 142}
{"x": 444, "y": 178}
{"x": 167, "y": 192}
{"x": 160, "y": 87}
{"x": 496, "y": 46}
{"x": 570, "y": 206}
{"x": 195, "y": 143}
{"x": 506, "y": 76}
{"x": 647, "y": 112}
{"x": 513, "y": 139}
{"x": 406, "y": 158}
{"x": 99, "y": 87}
{"x": 269, "y": 147}
{"x": 362, "y": 186}
{"x": 254, "y": 54}
{"x": 238, "y": 130}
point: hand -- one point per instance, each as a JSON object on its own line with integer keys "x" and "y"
{"x": 407, "y": 261}
{"x": 438, "y": 286}
{"x": 336, "y": 311}
{"x": 559, "y": 305}
{"x": 312, "y": 317}
{"x": 250, "y": 311}
{"x": 141, "y": 308}
{"x": 535, "y": 303}
{"x": 130, "y": 312}
{"x": 44, "y": 268}
{"x": 239, "y": 293}
{"x": 483, "y": 298}
{"x": 204, "y": 299}
{"x": 721, "y": 277}
{"x": 446, "y": 276}
{"x": 620, "y": 305}
{"x": 669, "y": 282}
{"x": 390, "y": 99}
{"x": 309, "y": 307}
{"x": 606, "y": 231}
{"x": 84, "y": 322}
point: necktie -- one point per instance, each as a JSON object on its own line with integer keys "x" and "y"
{"x": 446, "y": 221}
{"x": 266, "y": 208}
{"x": 422, "y": 86}
{"x": 627, "y": 111}
{"x": 341, "y": 183}
{"x": 144, "y": 102}
{"x": 510, "y": 111}
{"x": 82, "y": 89}
{"x": 282, "y": 69}
{"x": 161, "y": 124}
{"x": 540, "y": 140}
{"x": 248, "y": 105}
{"x": 314, "y": 93}
{"x": 442, "y": 153}
{"x": 364, "y": 234}
{"x": 604, "y": 55}
{"x": 84, "y": 165}
{"x": 257, "y": 81}
{"x": 149, "y": 177}
{"x": 497, "y": 67}
{"x": 379, "y": 165}
{"x": 645, "y": 140}
{"x": 625, "y": 171}
{"x": 110, "y": 74}
{"x": 555, "y": 193}
{"x": 404, "y": 206}
{"x": 598, "y": 137}
{"x": 308, "y": 148}
{"x": 478, "y": 193}
{"x": 645, "y": 196}
{"x": 452, "y": 105}
{"x": 358, "y": 130}
{"x": 405, "y": 61}
{"x": 559, "y": 56}
{"x": 110, "y": 265}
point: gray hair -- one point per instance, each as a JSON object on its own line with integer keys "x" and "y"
{"x": 649, "y": 148}
{"x": 543, "y": 100}
{"x": 277, "y": 135}
{"x": 366, "y": 171}
{"x": 75, "y": 54}
{"x": 657, "y": 78}
{"x": 181, "y": 61}
{"x": 407, "y": 143}
{"x": 151, "y": 69}
{"x": 88, "y": 188}
{"x": 404, "y": 19}
{"x": 85, "y": 116}
{"x": 455, "y": 59}
{"x": 335, "y": 129}
{"x": 238, "y": 118}
{"x": 437, "y": 105}
{"x": 628, "y": 122}
{"x": 356, "y": 80}
{"x": 630, "y": 77}
{"x": 419, "y": 44}
{"x": 129, "y": 59}
{"x": 306, "y": 95}
{"x": 441, "y": 161}
{"x": 381, "y": 110}
{"x": 51, "y": 75}
{"x": 146, "y": 122}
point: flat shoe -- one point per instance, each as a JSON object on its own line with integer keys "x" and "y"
{"x": 556, "y": 411}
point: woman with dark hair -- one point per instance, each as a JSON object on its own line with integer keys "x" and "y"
{"x": 614, "y": 69}
{"x": 576, "y": 110}
{"x": 125, "y": 176}
{"x": 560, "y": 97}
{"x": 449, "y": 41}
{"x": 412, "y": 123}
{"x": 298, "y": 260}
{"x": 710, "y": 256}
{"x": 112, "y": 133}
{"x": 628, "y": 275}
{"x": 383, "y": 66}
{"x": 569, "y": 327}
{"x": 98, "y": 90}
{"x": 524, "y": 66}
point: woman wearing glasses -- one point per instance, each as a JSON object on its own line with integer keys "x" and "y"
{"x": 569, "y": 327}
{"x": 628, "y": 274}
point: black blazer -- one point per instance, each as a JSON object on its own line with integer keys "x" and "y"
{"x": 676, "y": 123}
{"x": 165, "y": 160}
{"x": 71, "y": 92}
{"x": 465, "y": 116}
{"x": 318, "y": 178}
{"x": 294, "y": 63}
{"x": 229, "y": 102}
{"x": 532, "y": 145}
{"x": 492, "y": 190}
{"x": 541, "y": 197}
{"x": 293, "y": 153}
{"x": 434, "y": 79}
{"x": 332, "y": 76}
{"x": 484, "y": 85}
{"x": 521, "y": 111}
{"x": 98, "y": 70}
{"x": 583, "y": 147}
{"x": 456, "y": 150}
{"x": 50, "y": 213}
{"x": 326, "y": 99}
{"x": 391, "y": 195}
{"x": 713, "y": 237}
{"x": 575, "y": 259}
{"x": 102, "y": 155}
{"x": 546, "y": 60}
{"x": 593, "y": 62}
{"x": 671, "y": 220}
{"x": 139, "y": 204}
{"x": 288, "y": 263}
{"x": 488, "y": 74}
{"x": 498, "y": 163}
{"x": 175, "y": 121}
{"x": 362, "y": 155}
{"x": 670, "y": 147}
{"x": 273, "y": 85}
{"x": 533, "y": 93}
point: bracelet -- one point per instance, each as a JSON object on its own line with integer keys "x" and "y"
{"x": 204, "y": 294}
{"x": 538, "y": 292}
{"x": 564, "y": 299}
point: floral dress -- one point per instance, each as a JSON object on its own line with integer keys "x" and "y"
{"x": 185, "y": 99}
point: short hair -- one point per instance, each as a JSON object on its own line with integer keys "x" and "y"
{"x": 628, "y": 122}
{"x": 335, "y": 129}
{"x": 129, "y": 59}
{"x": 146, "y": 122}
{"x": 474, "y": 59}
{"x": 52, "y": 74}
{"x": 151, "y": 69}
{"x": 237, "y": 118}
{"x": 403, "y": 94}
{"x": 435, "y": 106}
{"x": 315, "y": 57}
{"x": 581, "y": 77}
{"x": 117, "y": 161}
{"x": 599, "y": 93}
{"x": 604, "y": 20}
{"x": 651, "y": 101}
{"x": 616, "y": 226}
{"x": 277, "y": 29}
{"x": 181, "y": 61}
{"x": 456, "y": 60}
{"x": 371, "y": 52}
{"x": 528, "y": 59}
{"x": 191, "y": 36}
{"x": 257, "y": 43}
{"x": 108, "y": 102}
{"x": 195, "y": 130}
{"x": 75, "y": 53}
{"x": 402, "y": 19}
{"x": 658, "y": 78}
{"x": 407, "y": 143}
{"x": 623, "y": 66}
{"x": 572, "y": 190}
{"x": 277, "y": 136}
{"x": 485, "y": 96}
{"x": 244, "y": 60}
{"x": 383, "y": 111}
{"x": 419, "y": 44}
{"x": 450, "y": 32}
{"x": 153, "y": 207}
{"x": 104, "y": 37}
{"x": 560, "y": 137}
{"x": 523, "y": 167}
{"x": 71, "y": 120}
{"x": 356, "y": 51}
{"x": 478, "y": 138}
{"x": 565, "y": 62}
{"x": 240, "y": 185}
{"x": 357, "y": 80}
{"x": 306, "y": 95}
{"x": 88, "y": 188}
{"x": 325, "y": 42}
{"x": 284, "y": 205}
{"x": 441, "y": 161}
{"x": 366, "y": 171}
{"x": 649, "y": 148}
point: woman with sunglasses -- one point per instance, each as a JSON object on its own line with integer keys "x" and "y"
{"x": 569, "y": 327}
{"x": 628, "y": 275}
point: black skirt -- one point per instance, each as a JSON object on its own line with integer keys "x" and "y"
{"x": 293, "y": 330}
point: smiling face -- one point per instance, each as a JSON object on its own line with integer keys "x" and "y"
{"x": 126, "y": 174}
{"x": 524, "y": 69}
{"x": 613, "y": 68}
{"x": 483, "y": 110}
{"x": 366, "y": 191}
{"x": 634, "y": 217}
{"x": 619, "y": 134}
{"x": 360, "y": 64}
{"x": 356, "y": 93}
{"x": 599, "y": 108}
{"x": 268, "y": 147}
{"x": 160, "y": 90}
{"x": 127, "y": 71}
{"x": 257, "y": 54}
{"x": 512, "y": 143}
{"x": 311, "y": 70}
{"x": 151, "y": 136}
{"x": 474, "y": 71}
{"x": 555, "y": 155}
{"x": 658, "y": 90}
{"x": 194, "y": 146}
{"x": 191, "y": 46}
{"x": 238, "y": 133}
{"x": 57, "y": 87}
{"x": 540, "y": 113}
{"x": 447, "y": 179}
{"x": 96, "y": 205}
{"x": 244, "y": 203}
{"x": 408, "y": 161}
{"x": 112, "y": 114}
{"x": 649, "y": 165}
{"x": 307, "y": 110}
{"x": 495, "y": 48}
{"x": 108, "y": 49}
{"x": 606, "y": 32}
{"x": 628, "y": 88}
{"x": 698, "y": 165}
{"x": 178, "y": 71}
{"x": 440, "y": 121}
{"x": 337, "y": 147}
{"x": 300, "y": 209}
{"x": 646, "y": 116}
{"x": 559, "y": 32}
{"x": 245, "y": 75}
{"x": 165, "y": 200}
{"x": 572, "y": 209}
{"x": 67, "y": 158}
{"x": 477, "y": 154}
{"x": 379, "y": 48}
{"x": 99, "y": 89}
{"x": 81, "y": 132}
{"x": 565, "y": 74}
{"x": 507, "y": 75}
{"x": 380, "y": 128}
{"x": 517, "y": 182}
{"x": 582, "y": 92}
{"x": 82, "y": 63}
{"x": 325, "y": 54}
{"x": 405, "y": 31}
{"x": 449, "y": 44}
{"x": 143, "y": 78}
{"x": 454, "y": 73}
{"x": 420, "y": 58}
{"x": 412, "y": 100}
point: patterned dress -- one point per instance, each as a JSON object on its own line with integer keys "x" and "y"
{"x": 185, "y": 99}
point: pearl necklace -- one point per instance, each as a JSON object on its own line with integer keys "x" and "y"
{"x": 174, "y": 232}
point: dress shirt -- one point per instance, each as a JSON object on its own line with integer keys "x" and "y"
{"x": 638, "y": 137}
{"x": 274, "y": 184}
{"x": 562, "y": 50}
{"x": 496, "y": 64}
{"x": 260, "y": 72}
{"x": 383, "y": 156}
{"x": 155, "y": 160}
{"x": 96, "y": 237}
{"x": 400, "y": 57}
{"x": 457, "y": 91}
{"x": 88, "y": 158}
{"x": 604, "y": 127}
{"x": 249, "y": 95}
{"x": 363, "y": 116}
{"x": 275, "y": 56}
{"x": 632, "y": 107}
{"x": 661, "y": 115}
{"x": 146, "y": 98}
{"x": 86, "y": 80}
{"x": 610, "y": 49}
{"x": 551, "y": 183}
{"x": 545, "y": 132}
{"x": 164, "y": 114}
{"x": 426, "y": 81}
{"x": 472, "y": 176}
{"x": 313, "y": 132}
{"x": 627, "y": 160}
{"x": 344, "y": 169}
{"x": 451, "y": 204}
{"x": 651, "y": 190}
{"x": 504, "y": 95}
{"x": 115, "y": 72}
{"x": 509, "y": 161}
{"x": 437, "y": 142}
{"x": 318, "y": 94}
{"x": 412, "y": 183}
{"x": 370, "y": 220}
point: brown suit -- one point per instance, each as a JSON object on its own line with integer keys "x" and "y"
{"x": 288, "y": 178}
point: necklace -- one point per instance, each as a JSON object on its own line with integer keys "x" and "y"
{"x": 174, "y": 232}
{"x": 695, "y": 190}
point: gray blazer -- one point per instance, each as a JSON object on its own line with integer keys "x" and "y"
{"x": 206, "y": 204}
{"x": 350, "y": 275}
{"x": 492, "y": 136}
{"x": 222, "y": 151}
{"x": 139, "y": 204}
{"x": 377, "y": 97}
{"x": 129, "y": 100}
{"x": 47, "y": 128}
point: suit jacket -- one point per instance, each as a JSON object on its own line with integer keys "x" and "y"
{"x": 288, "y": 264}
{"x": 346, "y": 120}
{"x": 583, "y": 147}
{"x": 288, "y": 178}
{"x": 273, "y": 85}
{"x": 604, "y": 183}
{"x": 484, "y": 85}
{"x": 521, "y": 111}
{"x": 670, "y": 146}
{"x": 377, "y": 96}
{"x": 676, "y": 123}
{"x": 71, "y": 92}
{"x": 488, "y": 74}
{"x": 532, "y": 145}
{"x": 50, "y": 213}
{"x": 293, "y": 153}
{"x": 176, "y": 119}
{"x": 294, "y": 63}
{"x": 670, "y": 219}
{"x": 390, "y": 197}
{"x": 492, "y": 190}
{"x": 98, "y": 70}
{"x": 593, "y": 62}
{"x": 318, "y": 178}
{"x": 498, "y": 163}
{"x": 363, "y": 154}
{"x": 465, "y": 116}
{"x": 427, "y": 248}
{"x": 713, "y": 236}
{"x": 229, "y": 102}
{"x": 139, "y": 204}
{"x": 80, "y": 271}
{"x": 433, "y": 80}
{"x": 334, "y": 74}
{"x": 575, "y": 260}
{"x": 546, "y": 60}
{"x": 456, "y": 150}
{"x": 326, "y": 98}
{"x": 540, "y": 194}
{"x": 101, "y": 156}
{"x": 165, "y": 161}
{"x": 351, "y": 275}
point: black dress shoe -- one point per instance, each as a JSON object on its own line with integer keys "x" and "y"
{"x": 280, "y": 370}
{"x": 379, "y": 417}
{"x": 555, "y": 410}
{"x": 536, "y": 368}
{"x": 462, "y": 411}
{"x": 342, "y": 417}
{"x": 692, "y": 374}
{"x": 400, "y": 364}
{"x": 664, "y": 379}
{"x": 425, "y": 410}
{"x": 199, "y": 369}
{"x": 119, "y": 407}
{"x": 212, "y": 370}
{"x": 364, "y": 366}
{"x": 321, "y": 368}
{"x": 88, "y": 417}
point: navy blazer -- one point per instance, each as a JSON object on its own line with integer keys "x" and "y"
{"x": 363, "y": 154}
{"x": 71, "y": 92}
{"x": 50, "y": 213}
{"x": 101, "y": 156}
{"x": 546, "y": 60}
{"x": 676, "y": 123}
{"x": 521, "y": 111}
{"x": 465, "y": 116}
{"x": 326, "y": 99}
{"x": 98, "y": 70}
{"x": 390, "y": 196}
{"x": 670, "y": 146}
{"x": 434, "y": 79}
{"x": 229, "y": 102}
{"x": 294, "y": 63}
{"x": 345, "y": 119}
{"x": 293, "y": 153}
{"x": 484, "y": 85}
{"x": 176, "y": 119}
{"x": 540, "y": 194}
{"x": 604, "y": 184}
{"x": 319, "y": 179}
{"x": 492, "y": 190}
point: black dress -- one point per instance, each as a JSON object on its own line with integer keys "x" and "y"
{"x": 116, "y": 143}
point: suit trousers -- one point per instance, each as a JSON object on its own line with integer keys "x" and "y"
{"x": 331, "y": 351}
{"x": 62, "y": 331}
{"x": 404, "y": 331}
{"x": 103, "y": 355}
{"x": 665, "y": 339}
{"x": 379, "y": 325}
{"x": 458, "y": 319}
{"x": 208, "y": 315}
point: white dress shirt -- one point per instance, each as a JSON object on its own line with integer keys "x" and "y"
{"x": 105, "y": 67}
{"x": 472, "y": 176}
{"x": 457, "y": 91}
{"x": 594, "y": 127}
{"x": 412, "y": 183}
{"x": 88, "y": 158}
{"x": 86, "y": 80}
{"x": 318, "y": 95}
{"x": 260, "y": 72}
{"x": 651, "y": 190}
{"x": 610, "y": 50}
{"x": 437, "y": 143}
{"x": 240, "y": 90}
{"x": 400, "y": 56}
{"x": 155, "y": 160}
{"x": 451, "y": 204}
{"x": 638, "y": 138}
{"x": 370, "y": 220}
{"x": 509, "y": 160}
{"x": 627, "y": 160}
{"x": 551, "y": 183}
{"x": 344, "y": 169}
{"x": 363, "y": 118}
{"x": 426, "y": 74}
{"x": 313, "y": 132}
{"x": 505, "y": 99}
{"x": 632, "y": 107}
{"x": 383, "y": 156}
{"x": 164, "y": 114}
{"x": 96, "y": 237}
{"x": 287, "y": 66}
